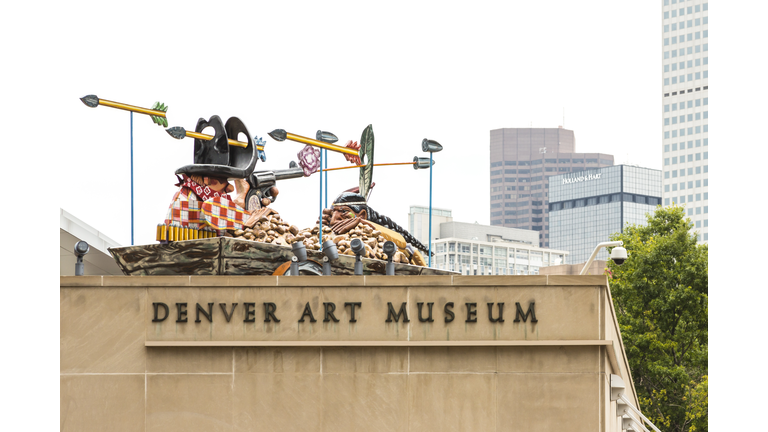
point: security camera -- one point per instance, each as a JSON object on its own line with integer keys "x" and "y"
{"x": 618, "y": 255}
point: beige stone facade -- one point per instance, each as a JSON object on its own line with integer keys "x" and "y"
{"x": 546, "y": 365}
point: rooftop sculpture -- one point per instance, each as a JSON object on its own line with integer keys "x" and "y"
{"x": 222, "y": 219}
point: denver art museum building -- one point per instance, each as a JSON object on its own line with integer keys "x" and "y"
{"x": 340, "y": 353}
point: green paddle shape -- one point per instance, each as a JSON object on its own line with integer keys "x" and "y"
{"x": 366, "y": 155}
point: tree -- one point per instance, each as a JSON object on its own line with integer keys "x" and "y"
{"x": 661, "y": 299}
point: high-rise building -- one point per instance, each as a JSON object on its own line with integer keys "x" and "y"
{"x": 418, "y": 222}
{"x": 586, "y": 207}
{"x": 521, "y": 161}
{"x": 685, "y": 109}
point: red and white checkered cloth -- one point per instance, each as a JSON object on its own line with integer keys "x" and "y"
{"x": 185, "y": 210}
{"x": 218, "y": 213}
{"x": 221, "y": 213}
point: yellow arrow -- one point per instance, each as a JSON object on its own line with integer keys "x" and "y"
{"x": 179, "y": 132}
{"x": 93, "y": 101}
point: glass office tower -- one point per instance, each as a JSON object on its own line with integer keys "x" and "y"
{"x": 685, "y": 109}
{"x": 586, "y": 208}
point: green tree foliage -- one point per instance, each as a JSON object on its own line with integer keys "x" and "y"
{"x": 661, "y": 299}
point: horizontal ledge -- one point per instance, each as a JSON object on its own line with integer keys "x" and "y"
{"x": 377, "y": 343}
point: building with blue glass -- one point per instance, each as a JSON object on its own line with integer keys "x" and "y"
{"x": 587, "y": 207}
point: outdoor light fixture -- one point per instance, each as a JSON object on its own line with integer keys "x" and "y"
{"x": 358, "y": 248}
{"x": 421, "y": 163}
{"x": 299, "y": 255}
{"x": 326, "y": 137}
{"x": 618, "y": 254}
{"x": 331, "y": 254}
{"x": 81, "y": 248}
{"x": 390, "y": 249}
{"x": 617, "y": 394}
{"x": 430, "y": 146}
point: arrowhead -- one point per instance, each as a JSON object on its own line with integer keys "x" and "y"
{"x": 90, "y": 101}
{"x": 177, "y": 132}
{"x": 278, "y": 134}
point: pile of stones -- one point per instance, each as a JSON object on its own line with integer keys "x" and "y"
{"x": 272, "y": 229}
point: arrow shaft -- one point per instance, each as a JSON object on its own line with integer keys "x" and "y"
{"x": 358, "y": 166}
{"x": 131, "y": 108}
{"x": 316, "y": 143}
{"x": 229, "y": 141}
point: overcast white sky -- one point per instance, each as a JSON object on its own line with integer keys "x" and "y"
{"x": 442, "y": 70}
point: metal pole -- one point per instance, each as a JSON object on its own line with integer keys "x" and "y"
{"x": 325, "y": 151}
{"x": 594, "y": 254}
{"x": 429, "y": 254}
{"x": 320, "y": 203}
{"x": 131, "y": 178}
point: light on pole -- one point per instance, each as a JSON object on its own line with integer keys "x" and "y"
{"x": 328, "y": 138}
{"x": 430, "y": 146}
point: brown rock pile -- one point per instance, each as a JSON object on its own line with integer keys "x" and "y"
{"x": 272, "y": 229}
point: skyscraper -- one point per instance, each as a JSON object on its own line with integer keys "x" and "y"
{"x": 685, "y": 111}
{"x": 521, "y": 160}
